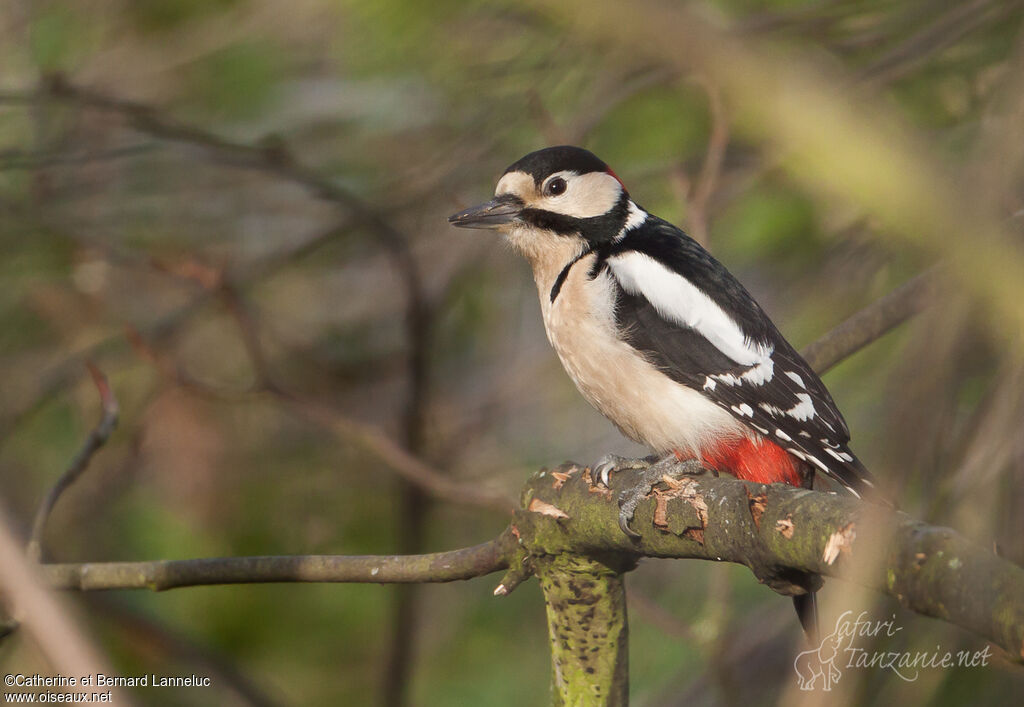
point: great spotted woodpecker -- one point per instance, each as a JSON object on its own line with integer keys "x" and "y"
{"x": 661, "y": 338}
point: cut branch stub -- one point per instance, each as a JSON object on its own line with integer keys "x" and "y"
{"x": 585, "y": 601}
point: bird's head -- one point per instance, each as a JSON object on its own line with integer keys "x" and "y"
{"x": 557, "y": 197}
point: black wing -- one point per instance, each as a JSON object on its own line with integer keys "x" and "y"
{"x": 784, "y": 401}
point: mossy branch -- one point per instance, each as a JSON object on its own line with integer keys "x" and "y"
{"x": 781, "y": 532}
{"x": 566, "y": 533}
{"x": 775, "y": 530}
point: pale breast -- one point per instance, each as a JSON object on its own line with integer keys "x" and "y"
{"x": 644, "y": 403}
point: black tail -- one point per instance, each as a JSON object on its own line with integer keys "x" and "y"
{"x": 807, "y": 611}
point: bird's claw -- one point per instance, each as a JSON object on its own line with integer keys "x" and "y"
{"x": 630, "y": 498}
{"x": 613, "y": 462}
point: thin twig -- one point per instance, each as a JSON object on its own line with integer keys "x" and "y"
{"x": 240, "y": 311}
{"x": 465, "y": 563}
{"x": 362, "y": 435}
{"x": 618, "y": 90}
{"x": 405, "y": 464}
{"x": 959, "y": 21}
{"x": 711, "y": 169}
{"x": 272, "y": 156}
{"x": 66, "y": 372}
{"x": 96, "y": 439}
{"x": 870, "y": 323}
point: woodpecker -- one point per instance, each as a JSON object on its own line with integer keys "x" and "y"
{"x": 662, "y": 339}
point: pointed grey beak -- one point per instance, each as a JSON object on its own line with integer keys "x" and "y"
{"x": 494, "y": 214}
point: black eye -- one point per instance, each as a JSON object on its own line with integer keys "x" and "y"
{"x": 556, "y": 186}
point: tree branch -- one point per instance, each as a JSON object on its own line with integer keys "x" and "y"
{"x": 96, "y": 439}
{"x": 778, "y": 531}
{"x": 160, "y": 575}
{"x": 871, "y": 323}
{"x": 711, "y": 169}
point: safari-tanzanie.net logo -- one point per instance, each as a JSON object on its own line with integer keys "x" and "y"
{"x": 822, "y": 667}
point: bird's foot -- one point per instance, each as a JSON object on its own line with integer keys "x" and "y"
{"x": 613, "y": 462}
{"x": 652, "y": 474}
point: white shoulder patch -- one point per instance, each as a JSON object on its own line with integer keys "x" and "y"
{"x": 636, "y": 217}
{"x": 682, "y": 302}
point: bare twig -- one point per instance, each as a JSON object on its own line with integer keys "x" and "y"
{"x": 618, "y": 90}
{"x": 159, "y": 575}
{"x": 96, "y": 439}
{"x": 404, "y": 463}
{"x": 711, "y": 168}
{"x": 64, "y": 373}
{"x": 244, "y": 318}
{"x": 272, "y": 156}
{"x": 367, "y": 437}
{"x": 871, "y": 323}
{"x": 948, "y": 28}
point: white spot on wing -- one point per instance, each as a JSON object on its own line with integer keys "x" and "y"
{"x": 833, "y": 454}
{"x": 743, "y": 409}
{"x": 817, "y": 462}
{"x": 797, "y": 379}
{"x": 803, "y": 410}
{"x": 709, "y": 383}
{"x": 782, "y": 435}
{"x": 680, "y": 301}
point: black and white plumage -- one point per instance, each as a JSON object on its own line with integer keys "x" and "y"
{"x": 657, "y": 334}
{"x": 698, "y": 324}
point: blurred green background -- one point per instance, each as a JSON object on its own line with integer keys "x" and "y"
{"x": 178, "y": 236}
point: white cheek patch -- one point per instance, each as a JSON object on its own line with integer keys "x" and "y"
{"x": 587, "y": 195}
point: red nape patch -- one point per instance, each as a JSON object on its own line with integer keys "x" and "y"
{"x": 609, "y": 170}
{"x": 754, "y": 460}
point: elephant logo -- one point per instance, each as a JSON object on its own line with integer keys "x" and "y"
{"x": 819, "y": 663}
